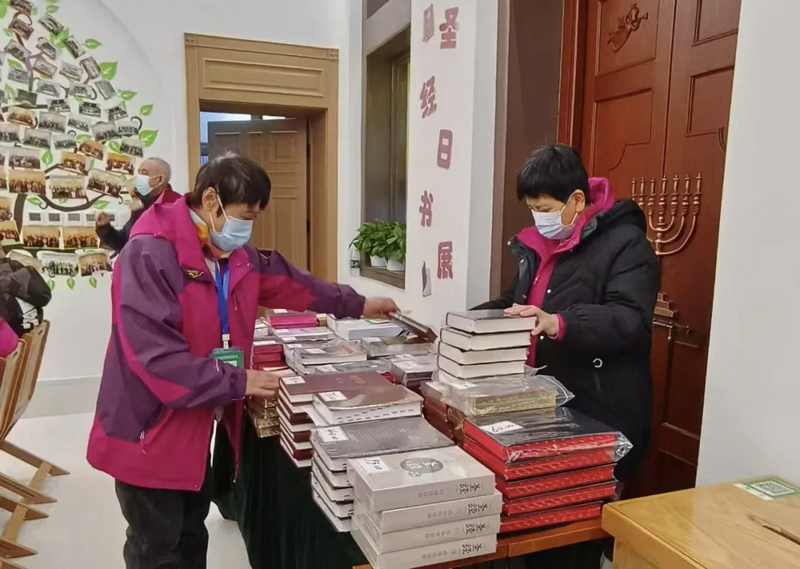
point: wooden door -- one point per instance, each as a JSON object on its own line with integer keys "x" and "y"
{"x": 657, "y": 92}
{"x": 281, "y": 148}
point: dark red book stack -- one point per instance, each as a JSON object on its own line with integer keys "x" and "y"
{"x": 267, "y": 353}
{"x": 434, "y": 409}
{"x": 553, "y": 465}
{"x": 279, "y": 318}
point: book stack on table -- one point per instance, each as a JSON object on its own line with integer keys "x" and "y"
{"x": 281, "y": 319}
{"x": 357, "y": 329}
{"x": 412, "y": 371}
{"x": 296, "y": 404}
{"x": 335, "y": 445}
{"x": 481, "y": 343}
{"x": 392, "y": 347}
{"x": 420, "y": 508}
{"x": 553, "y": 466}
{"x": 305, "y": 355}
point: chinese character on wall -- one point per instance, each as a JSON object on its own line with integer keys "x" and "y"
{"x": 427, "y": 97}
{"x": 426, "y": 209}
{"x": 428, "y": 24}
{"x": 449, "y": 29}
{"x": 445, "y": 265}
{"x": 445, "y": 149}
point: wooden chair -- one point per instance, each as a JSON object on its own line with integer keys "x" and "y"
{"x": 37, "y": 339}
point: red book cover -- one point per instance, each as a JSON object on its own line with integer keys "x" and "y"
{"x": 268, "y": 345}
{"x": 282, "y": 318}
{"x": 550, "y": 517}
{"x": 297, "y": 437}
{"x": 525, "y": 435}
{"x": 298, "y": 454}
{"x": 561, "y": 499}
{"x": 301, "y": 389}
{"x": 555, "y": 482}
{"x": 542, "y": 466}
{"x": 267, "y": 358}
{"x": 291, "y": 417}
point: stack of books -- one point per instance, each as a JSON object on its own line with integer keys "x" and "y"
{"x": 396, "y": 346}
{"x": 334, "y": 446}
{"x": 279, "y": 318}
{"x": 354, "y": 329}
{"x": 300, "y": 335}
{"x": 302, "y": 356}
{"x": 267, "y": 353}
{"x": 481, "y": 343}
{"x": 412, "y": 371}
{"x": 295, "y": 404}
{"x": 553, "y": 465}
{"x": 420, "y": 508}
{"x": 382, "y": 366}
{"x": 365, "y": 403}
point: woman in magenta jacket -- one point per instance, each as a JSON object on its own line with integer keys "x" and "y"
{"x": 185, "y": 294}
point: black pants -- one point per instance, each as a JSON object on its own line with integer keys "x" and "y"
{"x": 166, "y": 528}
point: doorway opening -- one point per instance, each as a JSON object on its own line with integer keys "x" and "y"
{"x": 279, "y": 143}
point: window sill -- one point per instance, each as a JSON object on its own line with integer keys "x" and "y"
{"x": 393, "y": 278}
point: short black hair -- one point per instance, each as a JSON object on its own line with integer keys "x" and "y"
{"x": 237, "y": 179}
{"x": 555, "y": 170}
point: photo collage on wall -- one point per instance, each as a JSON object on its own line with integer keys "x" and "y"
{"x": 70, "y": 141}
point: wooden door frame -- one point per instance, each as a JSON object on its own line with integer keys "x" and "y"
{"x": 235, "y": 74}
{"x": 573, "y": 68}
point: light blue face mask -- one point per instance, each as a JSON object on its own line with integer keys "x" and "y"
{"x": 142, "y": 185}
{"x": 235, "y": 232}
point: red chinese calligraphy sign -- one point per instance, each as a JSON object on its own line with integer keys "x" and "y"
{"x": 445, "y": 149}
{"x": 444, "y": 268}
{"x": 449, "y": 29}
{"x": 427, "y": 97}
{"x": 426, "y": 209}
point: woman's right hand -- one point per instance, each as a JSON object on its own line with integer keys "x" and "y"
{"x": 262, "y": 384}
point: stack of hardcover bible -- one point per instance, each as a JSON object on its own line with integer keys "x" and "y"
{"x": 335, "y": 445}
{"x": 279, "y": 318}
{"x": 482, "y": 343}
{"x": 296, "y": 403}
{"x": 411, "y": 371}
{"x": 354, "y": 329}
{"x": 553, "y": 466}
{"x": 423, "y": 507}
{"x": 303, "y": 356}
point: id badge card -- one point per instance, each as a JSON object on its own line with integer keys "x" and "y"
{"x": 231, "y": 356}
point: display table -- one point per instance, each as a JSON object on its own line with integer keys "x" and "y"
{"x": 713, "y": 527}
{"x": 283, "y": 528}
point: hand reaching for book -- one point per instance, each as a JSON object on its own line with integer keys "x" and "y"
{"x": 379, "y": 307}
{"x": 262, "y": 384}
{"x": 546, "y": 323}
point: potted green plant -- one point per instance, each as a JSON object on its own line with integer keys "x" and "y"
{"x": 396, "y": 247}
{"x": 368, "y": 241}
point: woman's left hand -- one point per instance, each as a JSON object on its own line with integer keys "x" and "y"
{"x": 546, "y": 323}
{"x": 379, "y": 307}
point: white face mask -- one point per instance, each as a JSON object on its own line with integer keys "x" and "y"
{"x": 549, "y": 226}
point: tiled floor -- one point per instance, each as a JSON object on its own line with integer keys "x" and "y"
{"x": 85, "y": 529}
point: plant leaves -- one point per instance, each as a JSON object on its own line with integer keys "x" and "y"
{"x": 82, "y": 137}
{"x": 52, "y": 9}
{"x": 91, "y": 43}
{"x": 109, "y": 70}
{"x": 71, "y": 283}
{"x": 148, "y": 137}
{"x": 14, "y": 64}
{"x": 146, "y": 110}
{"x": 34, "y": 200}
{"x": 115, "y": 146}
{"x": 93, "y": 282}
{"x": 52, "y": 1}
{"x": 100, "y": 204}
{"x": 51, "y": 284}
{"x": 3, "y": 10}
{"x": 127, "y": 95}
{"x": 61, "y": 37}
{"x": 47, "y": 157}
{"x": 10, "y": 91}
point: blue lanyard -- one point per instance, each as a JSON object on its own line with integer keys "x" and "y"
{"x": 223, "y": 280}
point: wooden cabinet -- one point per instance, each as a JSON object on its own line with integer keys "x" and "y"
{"x": 715, "y": 527}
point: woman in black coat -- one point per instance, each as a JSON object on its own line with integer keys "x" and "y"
{"x": 588, "y": 273}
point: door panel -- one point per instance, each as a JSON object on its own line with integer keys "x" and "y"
{"x": 280, "y": 147}
{"x": 657, "y": 97}
{"x": 626, "y": 88}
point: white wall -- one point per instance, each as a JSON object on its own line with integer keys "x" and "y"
{"x": 750, "y": 420}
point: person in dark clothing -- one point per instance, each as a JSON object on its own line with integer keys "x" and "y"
{"x": 151, "y": 184}
{"x": 23, "y": 296}
{"x": 589, "y": 275}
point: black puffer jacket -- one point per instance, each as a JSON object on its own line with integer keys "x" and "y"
{"x": 605, "y": 290}
{"x": 20, "y": 283}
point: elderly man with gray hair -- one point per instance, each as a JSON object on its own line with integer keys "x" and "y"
{"x": 150, "y": 185}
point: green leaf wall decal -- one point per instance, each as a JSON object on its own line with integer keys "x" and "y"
{"x": 115, "y": 146}
{"x": 109, "y": 70}
{"x": 146, "y": 110}
{"x": 51, "y": 283}
{"x": 52, "y": 9}
{"x": 127, "y": 95}
{"x": 13, "y": 63}
{"x": 34, "y": 200}
{"x": 61, "y": 37}
{"x": 47, "y": 157}
{"x": 148, "y": 137}
{"x": 100, "y": 204}
{"x": 71, "y": 283}
{"x": 91, "y": 43}
{"x": 3, "y": 10}
{"x": 93, "y": 282}
{"x": 10, "y": 91}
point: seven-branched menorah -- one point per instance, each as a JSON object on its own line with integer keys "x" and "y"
{"x": 671, "y": 216}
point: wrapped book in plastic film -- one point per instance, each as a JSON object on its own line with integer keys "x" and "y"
{"x": 544, "y": 434}
{"x": 378, "y": 366}
{"x": 504, "y": 394}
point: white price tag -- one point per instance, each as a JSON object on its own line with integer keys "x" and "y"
{"x": 326, "y": 369}
{"x": 461, "y": 384}
{"x": 265, "y": 343}
{"x": 280, "y": 311}
{"x": 332, "y": 396}
{"x": 293, "y": 380}
{"x": 373, "y": 465}
{"x": 332, "y": 434}
{"x": 289, "y": 339}
{"x": 501, "y": 427}
{"x": 408, "y": 365}
{"x": 315, "y": 351}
